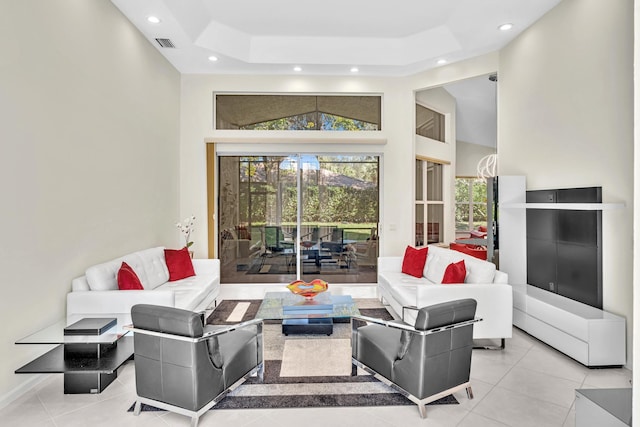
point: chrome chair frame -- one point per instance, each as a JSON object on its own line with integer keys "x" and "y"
{"x": 421, "y": 403}
{"x": 195, "y": 415}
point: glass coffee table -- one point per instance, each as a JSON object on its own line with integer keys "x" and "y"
{"x": 89, "y": 362}
{"x": 302, "y": 316}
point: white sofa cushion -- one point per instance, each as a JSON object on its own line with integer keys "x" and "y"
{"x": 189, "y": 292}
{"x": 103, "y": 277}
{"x": 149, "y": 265}
{"x": 153, "y": 263}
{"x": 478, "y": 271}
{"x": 437, "y": 266}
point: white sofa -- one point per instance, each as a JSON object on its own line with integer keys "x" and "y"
{"x": 96, "y": 294}
{"x": 483, "y": 283}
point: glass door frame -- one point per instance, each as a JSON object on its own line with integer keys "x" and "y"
{"x": 300, "y": 166}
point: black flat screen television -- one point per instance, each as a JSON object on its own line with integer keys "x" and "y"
{"x": 564, "y": 246}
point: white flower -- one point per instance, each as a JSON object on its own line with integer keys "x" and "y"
{"x": 186, "y": 227}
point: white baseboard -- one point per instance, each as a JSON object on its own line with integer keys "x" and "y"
{"x": 22, "y": 389}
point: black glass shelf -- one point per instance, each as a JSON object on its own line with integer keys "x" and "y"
{"x": 55, "y": 362}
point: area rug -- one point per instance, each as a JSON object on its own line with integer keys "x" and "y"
{"x": 306, "y": 370}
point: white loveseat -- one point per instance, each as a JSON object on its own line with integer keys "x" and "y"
{"x": 96, "y": 294}
{"x": 483, "y": 283}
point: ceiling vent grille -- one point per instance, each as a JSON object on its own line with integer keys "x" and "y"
{"x": 165, "y": 43}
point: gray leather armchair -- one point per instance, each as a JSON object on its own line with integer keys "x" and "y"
{"x": 185, "y": 367}
{"x": 426, "y": 362}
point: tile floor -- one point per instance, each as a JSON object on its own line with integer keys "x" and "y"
{"x": 527, "y": 384}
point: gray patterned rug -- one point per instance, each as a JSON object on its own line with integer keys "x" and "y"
{"x": 307, "y": 370}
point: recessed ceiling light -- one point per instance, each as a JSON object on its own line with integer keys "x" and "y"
{"x": 213, "y": 58}
{"x": 153, "y": 19}
{"x": 354, "y": 69}
{"x": 505, "y": 27}
{"x": 297, "y": 68}
{"x": 441, "y": 61}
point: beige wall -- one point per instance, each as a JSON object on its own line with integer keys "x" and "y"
{"x": 88, "y": 157}
{"x": 636, "y": 203}
{"x": 565, "y": 119}
{"x": 467, "y": 157}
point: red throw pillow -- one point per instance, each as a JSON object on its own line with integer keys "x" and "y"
{"x": 128, "y": 280}
{"x": 414, "y": 260}
{"x": 455, "y": 273}
{"x": 179, "y": 264}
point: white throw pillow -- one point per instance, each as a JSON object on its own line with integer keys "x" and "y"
{"x": 103, "y": 277}
{"x": 479, "y": 271}
{"x": 436, "y": 267}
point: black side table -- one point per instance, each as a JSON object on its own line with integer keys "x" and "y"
{"x": 89, "y": 363}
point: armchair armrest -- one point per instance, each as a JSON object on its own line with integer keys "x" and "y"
{"x": 204, "y": 337}
{"x": 409, "y": 328}
{"x": 389, "y": 323}
{"x": 230, "y": 328}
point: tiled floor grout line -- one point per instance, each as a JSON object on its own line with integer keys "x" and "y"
{"x": 477, "y": 404}
{"x": 46, "y": 410}
{"x": 493, "y": 387}
{"x": 521, "y": 367}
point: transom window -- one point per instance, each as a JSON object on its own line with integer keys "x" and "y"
{"x": 299, "y": 112}
{"x": 429, "y": 123}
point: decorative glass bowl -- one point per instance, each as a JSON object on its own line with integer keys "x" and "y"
{"x": 308, "y": 290}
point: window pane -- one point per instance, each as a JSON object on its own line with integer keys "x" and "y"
{"x": 298, "y": 112}
{"x": 339, "y": 217}
{"x": 479, "y": 215}
{"x": 462, "y": 190}
{"x": 419, "y": 180}
{"x": 479, "y": 187}
{"x": 434, "y": 181}
{"x": 435, "y": 223}
{"x": 419, "y": 237}
{"x": 429, "y": 123}
{"x": 462, "y": 217}
{"x": 253, "y": 216}
{"x": 476, "y": 189}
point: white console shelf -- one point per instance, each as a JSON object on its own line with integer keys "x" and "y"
{"x": 566, "y": 206}
{"x": 591, "y": 336}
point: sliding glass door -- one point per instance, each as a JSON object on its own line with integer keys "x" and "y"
{"x": 255, "y": 225}
{"x": 298, "y": 216}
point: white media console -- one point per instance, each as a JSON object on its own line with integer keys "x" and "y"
{"x": 589, "y": 335}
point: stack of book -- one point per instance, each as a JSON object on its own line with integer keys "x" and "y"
{"x": 90, "y": 326}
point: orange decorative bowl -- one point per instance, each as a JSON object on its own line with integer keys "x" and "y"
{"x": 308, "y": 290}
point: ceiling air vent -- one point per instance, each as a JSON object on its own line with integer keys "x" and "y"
{"x": 165, "y": 43}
